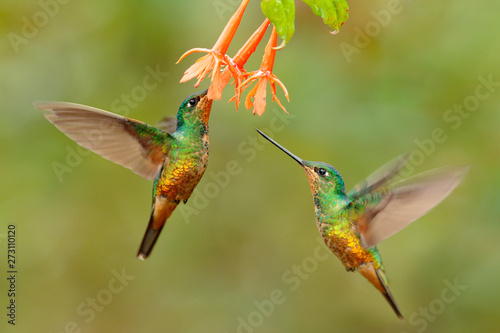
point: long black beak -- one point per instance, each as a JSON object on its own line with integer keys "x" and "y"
{"x": 299, "y": 160}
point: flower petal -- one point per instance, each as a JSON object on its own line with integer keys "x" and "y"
{"x": 197, "y": 49}
{"x": 213, "y": 91}
{"x": 199, "y": 69}
{"x": 282, "y": 86}
{"x": 275, "y": 98}
{"x": 227, "y": 34}
{"x": 248, "y": 100}
{"x": 251, "y": 44}
{"x": 260, "y": 97}
{"x": 270, "y": 52}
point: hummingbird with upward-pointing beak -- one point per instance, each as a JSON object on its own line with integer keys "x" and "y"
{"x": 352, "y": 224}
{"x": 175, "y": 157}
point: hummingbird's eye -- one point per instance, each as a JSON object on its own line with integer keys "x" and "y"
{"x": 321, "y": 171}
{"x": 193, "y": 101}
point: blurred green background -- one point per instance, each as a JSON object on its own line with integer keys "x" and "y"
{"x": 240, "y": 241}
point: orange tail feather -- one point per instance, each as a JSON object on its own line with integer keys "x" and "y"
{"x": 161, "y": 211}
{"x": 378, "y": 279}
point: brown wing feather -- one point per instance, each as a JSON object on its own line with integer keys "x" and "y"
{"x": 167, "y": 124}
{"x": 406, "y": 201}
{"x": 130, "y": 143}
{"x": 379, "y": 177}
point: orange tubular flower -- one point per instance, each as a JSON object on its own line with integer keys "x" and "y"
{"x": 263, "y": 76}
{"x": 239, "y": 61}
{"x": 216, "y": 57}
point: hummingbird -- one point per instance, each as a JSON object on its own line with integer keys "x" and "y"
{"x": 175, "y": 156}
{"x": 352, "y": 224}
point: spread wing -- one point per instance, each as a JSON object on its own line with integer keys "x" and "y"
{"x": 386, "y": 211}
{"x": 133, "y": 144}
{"x": 167, "y": 124}
{"x": 379, "y": 178}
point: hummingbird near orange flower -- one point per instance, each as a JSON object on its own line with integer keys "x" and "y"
{"x": 175, "y": 157}
{"x": 352, "y": 224}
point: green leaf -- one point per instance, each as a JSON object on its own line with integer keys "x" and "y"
{"x": 333, "y": 12}
{"x": 282, "y": 15}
